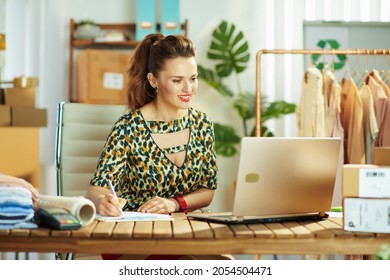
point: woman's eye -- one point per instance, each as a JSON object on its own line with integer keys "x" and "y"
{"x": 176, "y": 81}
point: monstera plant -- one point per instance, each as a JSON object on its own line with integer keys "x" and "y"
{"x": 230, "y": 50}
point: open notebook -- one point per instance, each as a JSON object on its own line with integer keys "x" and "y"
{"x": 282, "y": 179}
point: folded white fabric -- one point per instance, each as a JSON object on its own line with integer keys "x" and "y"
{"x": 16, "y": 209}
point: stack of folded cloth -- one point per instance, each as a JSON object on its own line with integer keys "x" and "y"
{"x": 16, "y": 208}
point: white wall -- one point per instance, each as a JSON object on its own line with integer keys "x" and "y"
{"x": 38, "y": 31}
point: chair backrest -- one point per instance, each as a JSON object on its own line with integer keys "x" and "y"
{"x": 82, "y": 130}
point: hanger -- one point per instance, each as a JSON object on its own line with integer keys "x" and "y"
{"x": 312, "y": 62}
{"x": 332, "y": 61}
{"x": 326, "y": 65}
{"x": 388, "y": 71}
{"x": 356, "y": 71}
{"x": 347, "y": 73}
{"x": 382, "y": 72}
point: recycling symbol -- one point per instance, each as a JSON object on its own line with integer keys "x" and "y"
{"x": 334, "y": 45}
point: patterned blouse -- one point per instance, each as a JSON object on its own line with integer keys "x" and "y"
{"x": 139, "y": 169}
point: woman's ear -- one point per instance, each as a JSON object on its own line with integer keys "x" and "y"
{"x": 152, "y": 80}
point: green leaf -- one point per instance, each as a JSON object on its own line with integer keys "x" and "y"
{"x": 212, "y": 79}
{"x": 226, "y": 140}
{"x": 265, "y": 132}
{"x": 245, "y": 105}
{"x": 276, "y": 109}
{"x": 229, "y": 48}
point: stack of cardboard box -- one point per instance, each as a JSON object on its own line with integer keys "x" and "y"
{"x": 17, "y": 107}
{"x": 366, "y": 194}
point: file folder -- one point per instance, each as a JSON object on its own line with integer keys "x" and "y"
{"x": 170, "y": 18}
{"x": 145, "y": 18}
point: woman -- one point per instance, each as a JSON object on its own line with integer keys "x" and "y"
{"x": 160, "y": 156}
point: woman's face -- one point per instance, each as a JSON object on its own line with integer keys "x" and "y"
{"x": 177, "y": 82}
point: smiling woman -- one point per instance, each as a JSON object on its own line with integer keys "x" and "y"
{"x": 160, "y": 155}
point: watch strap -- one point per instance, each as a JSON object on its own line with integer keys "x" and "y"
{"x": 182, "y": 203}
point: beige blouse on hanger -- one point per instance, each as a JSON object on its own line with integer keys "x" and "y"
{"x": 310, "y": 110}
{"x": 384, "y": 127}
{"x": 351, "y": 120}
{"x": 370, "y": 126}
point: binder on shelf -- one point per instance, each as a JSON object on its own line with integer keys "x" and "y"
{"x": 145, "y": 18}
{"x": 170, "y": 20}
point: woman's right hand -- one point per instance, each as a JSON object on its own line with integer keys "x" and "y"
{"x": 105, "y": 202}
{"x": 110, "y": 206}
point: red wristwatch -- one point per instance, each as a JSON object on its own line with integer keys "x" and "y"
{"x": 182, "y": 203}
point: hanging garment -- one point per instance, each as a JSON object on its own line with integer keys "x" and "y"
{"x": 310, "y": 110}
{"x": 333, "y": 118}
{"x": 331, "y": 92}
{"x": 384, "y": 130}
{"x": 335, "y": 105}
{"x": 370, "y": 126}
{"x": 352, "y": 122}
{"x": 380, "y": 105}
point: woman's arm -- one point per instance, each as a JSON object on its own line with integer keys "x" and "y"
{"x": 197, "y": 199}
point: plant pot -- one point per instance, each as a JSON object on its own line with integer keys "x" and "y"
{"x": 87, "y": 31}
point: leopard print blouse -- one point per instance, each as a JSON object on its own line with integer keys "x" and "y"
{"x": 139, "y": 169}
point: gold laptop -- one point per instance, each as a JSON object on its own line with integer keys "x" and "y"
{"x": 282, "y": 179}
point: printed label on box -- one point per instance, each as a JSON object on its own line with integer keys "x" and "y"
{"x": 374, "y": 182}
{"x": 367, "y": 214}
{"x": 113, "y": 81}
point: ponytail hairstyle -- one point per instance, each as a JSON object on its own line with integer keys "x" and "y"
{"x": 149, "y": 57}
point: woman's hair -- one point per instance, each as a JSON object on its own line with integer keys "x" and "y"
{"x": 149, "y": 57}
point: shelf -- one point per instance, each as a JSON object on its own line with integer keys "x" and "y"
{"x": 92, "y": 43}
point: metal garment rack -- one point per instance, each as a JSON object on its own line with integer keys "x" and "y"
{"x": 302, "y": 52}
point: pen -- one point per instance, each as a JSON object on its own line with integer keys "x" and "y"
{"x": 112, "y": 189}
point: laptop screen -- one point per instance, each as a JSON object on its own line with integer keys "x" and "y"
{"x": 281, "y": 175}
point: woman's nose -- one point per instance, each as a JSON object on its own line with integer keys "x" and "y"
{"x": 187, "y": 87}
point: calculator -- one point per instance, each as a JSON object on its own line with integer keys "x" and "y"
{"x": 56, "y": 218}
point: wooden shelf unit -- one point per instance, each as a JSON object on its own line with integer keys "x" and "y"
{"x": 85, "y": 44}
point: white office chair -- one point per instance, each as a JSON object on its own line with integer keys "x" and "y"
{"x": 82, "y": 130}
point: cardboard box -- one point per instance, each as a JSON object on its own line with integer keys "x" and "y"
{"x": 382, "y": 156}
{"x": 20, "y": 97}
{"x": 19, "y": 153}
{"x": 23, "y": 82}
{"x": 2, "y": 92}
{"x": 102, "y": 76}
{"x": 366, "y": 214}
{"x": 365, "y": 180}
{"x": 25, "y": 116}
{"x": 5, "y": 115}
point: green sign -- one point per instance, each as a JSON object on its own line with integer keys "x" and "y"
{"x": 329, "y": 44}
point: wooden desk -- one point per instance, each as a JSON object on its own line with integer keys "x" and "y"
{"x": 183, "y": 236}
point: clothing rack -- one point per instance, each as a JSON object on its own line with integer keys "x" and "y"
{"x": 304, "y": 52}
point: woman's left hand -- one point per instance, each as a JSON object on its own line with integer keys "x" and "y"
{"x": 158, "y": 205}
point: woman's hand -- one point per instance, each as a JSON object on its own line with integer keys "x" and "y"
{"x": 105, "y": 202}
{"x": 110, "y": 206}
{"x": 6, "y": 180}
{"x": 159, "y": 205}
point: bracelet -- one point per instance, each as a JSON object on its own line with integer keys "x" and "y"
{"x": 182, "y": 203}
